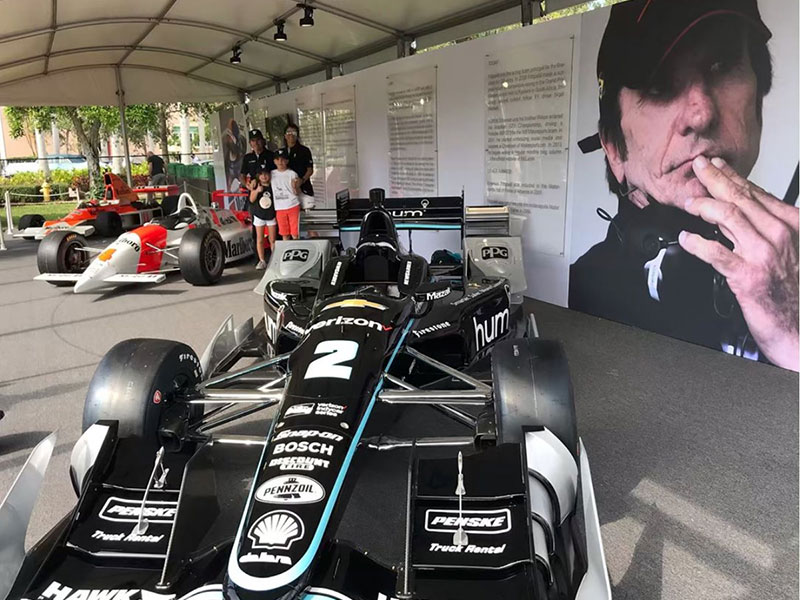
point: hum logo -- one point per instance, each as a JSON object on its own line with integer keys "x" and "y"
{"x": 489, "y": 330}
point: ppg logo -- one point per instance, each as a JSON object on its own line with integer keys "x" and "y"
{"x": 488, "y": 252}
{"x": 297, "y": 254}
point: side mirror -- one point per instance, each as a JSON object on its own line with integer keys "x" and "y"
{"x": 435, "y": 290}
{"x": 285, "y": 291}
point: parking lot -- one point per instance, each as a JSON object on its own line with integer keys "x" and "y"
{"x": 696, "y": 480}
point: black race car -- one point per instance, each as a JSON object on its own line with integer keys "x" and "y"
{"x": 170, "y": 509}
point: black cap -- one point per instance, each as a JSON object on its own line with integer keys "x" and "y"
{"x": 640, "y": 34}
{"x": 255, "y": 134}
{"x": 263, "y": 168}
{"x": 281, "y": 153}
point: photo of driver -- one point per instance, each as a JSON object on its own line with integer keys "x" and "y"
{"x": 696, "y": 250}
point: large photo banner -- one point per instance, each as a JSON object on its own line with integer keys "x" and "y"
{"x": 310, "y": 123}
{"x": 684, "y": 219}
{"x": 229, "y": 135}
{"x": 341, "y": 150}
{"x": 527, "y": 138}
{"x": 411, "y": 117}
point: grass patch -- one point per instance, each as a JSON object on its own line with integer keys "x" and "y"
{"x": 49, "y": 210}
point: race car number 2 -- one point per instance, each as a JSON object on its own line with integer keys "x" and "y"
{"x": 335, "y": 352}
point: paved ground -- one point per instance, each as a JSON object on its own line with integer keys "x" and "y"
{"x": 694, "y": 453}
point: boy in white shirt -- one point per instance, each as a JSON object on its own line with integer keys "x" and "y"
{"x": 286, "y": 189}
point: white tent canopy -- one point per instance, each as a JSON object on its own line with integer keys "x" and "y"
{"x": 68, "y": 52}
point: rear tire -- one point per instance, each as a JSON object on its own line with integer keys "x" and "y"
{"x": 532, "y": 387}
{"x": 136, "y": 383}
{"x": 108, "y": 224}
{"x": 60, "y": 252}
{"x": 26, "y": 221}
{"x": 202, "y": 256}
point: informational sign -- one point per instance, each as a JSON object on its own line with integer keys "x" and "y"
{"x": 339, "y": 138}
{"x": 309, "y": 120}
{"x": 527, "y": 136}
{"x": 230, "y": 146}
{"x": 411, "y": 117}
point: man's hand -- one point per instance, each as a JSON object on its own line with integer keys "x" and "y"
{"x": 762, "y": 269}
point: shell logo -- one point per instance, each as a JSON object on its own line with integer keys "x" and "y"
{"x": 106, "y": 254}
{"x": 278, "y": 529}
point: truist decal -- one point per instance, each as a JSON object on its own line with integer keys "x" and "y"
{"x": 290, "y": 489}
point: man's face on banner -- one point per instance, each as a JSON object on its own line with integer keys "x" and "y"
{"x": 703, "y": 100}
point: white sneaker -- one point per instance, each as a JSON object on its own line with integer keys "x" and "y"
{"x": 261, "y": 265}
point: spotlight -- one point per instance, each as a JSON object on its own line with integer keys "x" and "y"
{"x": 308, "y": 18}
{"x": 280, "y": 35}
{"x": 236, "y": 55}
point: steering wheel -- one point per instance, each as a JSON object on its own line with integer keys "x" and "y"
{"x": 186, "y": 201}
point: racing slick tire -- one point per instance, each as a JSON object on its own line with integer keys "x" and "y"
{"x": 26, "y": 221}
{"x": 201, "y": 256}
{"x": 136, "y": 384}
{"x": 108, "y": 224}
{"x": 532, "y": 387}
{"x": 60, "y": 252}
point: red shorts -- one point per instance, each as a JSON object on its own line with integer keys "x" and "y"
{"x": 289, "y": 221}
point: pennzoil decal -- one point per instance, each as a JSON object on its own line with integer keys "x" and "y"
{"x": 290, "y": 489}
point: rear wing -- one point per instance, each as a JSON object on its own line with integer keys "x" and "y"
{"x": 438, "y": 212}
{"x": 423, "y": 213}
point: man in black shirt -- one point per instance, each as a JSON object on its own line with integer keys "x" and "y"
{"x": 260, "y": 157}
{"x": 696, "y": 250}
{"x": 302, "y": 163}
{"x": 155, "y": 169}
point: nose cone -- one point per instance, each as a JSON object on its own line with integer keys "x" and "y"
{"x": 94, "y": 278}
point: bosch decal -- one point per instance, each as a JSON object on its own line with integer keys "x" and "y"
{"x": 304, "y": 446}
{"x": 290, "y": 489}
{"x": 296, "y": 254}
{"x": 473, "y": 521}
{"x": 490, "y": 252}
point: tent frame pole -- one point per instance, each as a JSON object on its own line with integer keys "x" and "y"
{"x": 121, "y": 103}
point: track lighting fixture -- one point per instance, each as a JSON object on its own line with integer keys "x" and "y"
{"x": 236, "y": 55}
{"x": 308, "y": 18}
{"x": 280, "y": 35}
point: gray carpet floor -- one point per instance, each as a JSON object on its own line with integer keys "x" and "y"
{"x": 694, "y": 454}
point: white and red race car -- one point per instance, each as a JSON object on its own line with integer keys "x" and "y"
{"x": 197, "y": 241}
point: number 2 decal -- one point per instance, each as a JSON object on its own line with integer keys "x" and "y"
{"x": 330, "y": 365}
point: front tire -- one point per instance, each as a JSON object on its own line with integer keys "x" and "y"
{"x": 136, "y": 384}
{"x": 532, "y": 387}
{"x": 202, "y": 256}
{"x": 61, "y": 252}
